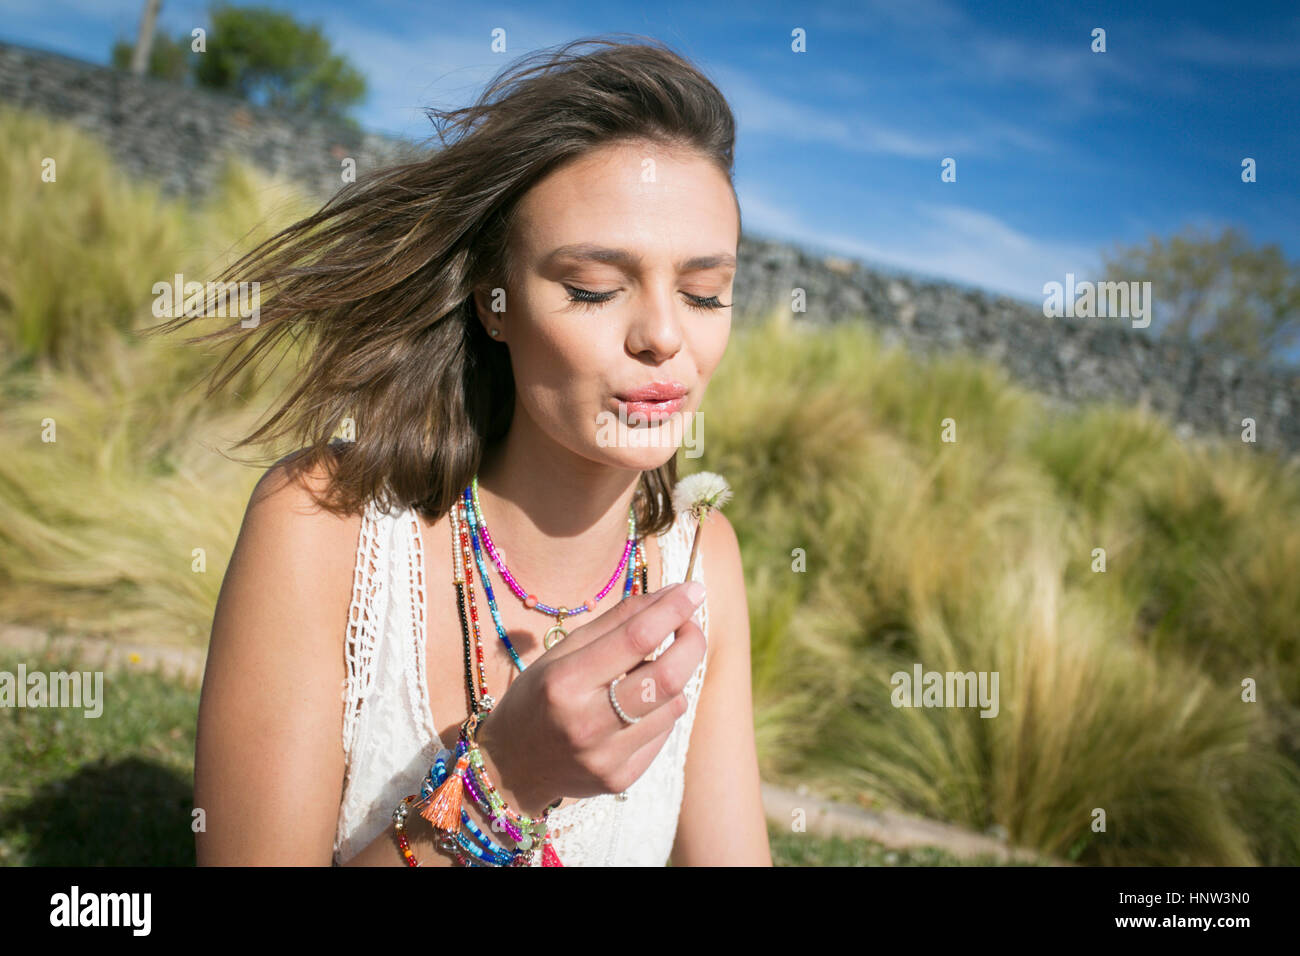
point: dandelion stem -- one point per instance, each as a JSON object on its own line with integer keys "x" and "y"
{"x": 695, "y": 542}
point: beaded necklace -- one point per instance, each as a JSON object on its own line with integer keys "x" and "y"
{"x": 481, "y": 536}
{"x": 466, "y": 552}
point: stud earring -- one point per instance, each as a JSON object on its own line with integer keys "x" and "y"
{"x": 496, "y": 332}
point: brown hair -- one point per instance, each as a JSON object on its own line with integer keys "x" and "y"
{"x": 383, "y": 274}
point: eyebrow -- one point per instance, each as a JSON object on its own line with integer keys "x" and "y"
{"x": 590, "y": 252}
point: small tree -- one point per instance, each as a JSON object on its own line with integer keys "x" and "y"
{"x": 1222, "y": 291}
{"x": 168, "y": 58}
{"x": 268, "y": 58}
{"x": 263, "y": 56}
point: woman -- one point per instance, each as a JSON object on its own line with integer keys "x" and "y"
{"x": 480, "y": 317}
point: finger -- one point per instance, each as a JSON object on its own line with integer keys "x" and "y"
{"x": 612, "y": 618}
{"x": 652, "y": 682}
{"x": 626, "y": 646}
{"x": 641, "y": 760}
{"x": 658, "y": 721}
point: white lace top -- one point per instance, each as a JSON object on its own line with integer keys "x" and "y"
{"x": 389, "y": 739}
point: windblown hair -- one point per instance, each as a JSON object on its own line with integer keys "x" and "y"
{"x": 383, "y": 275}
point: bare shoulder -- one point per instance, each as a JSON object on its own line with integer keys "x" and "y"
{"x": 283, "y": 510}
{"x": 720, "y": 546}
{"x": 294, "y": 485}
{"x": 724, "y": 576}
{"x": 295, "y": 552}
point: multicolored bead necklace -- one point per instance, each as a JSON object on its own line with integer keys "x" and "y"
{"x": 440, "y": 799}
{"x": 483, "y": 541}
{"x": 466, "y": 553}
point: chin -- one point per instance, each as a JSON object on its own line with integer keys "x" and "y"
{"x": 636, "y": 459}
{"x": 642, "y": 447}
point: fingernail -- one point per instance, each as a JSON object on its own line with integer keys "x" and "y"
{"x": 695, "y": 591}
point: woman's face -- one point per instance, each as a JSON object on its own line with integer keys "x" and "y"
{"x": 648, "y": 238}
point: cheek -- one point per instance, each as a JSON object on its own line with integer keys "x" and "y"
{"x": 709, "y": 347}
{"x": 549, "y": 346}
{"x": 556, "y": 363}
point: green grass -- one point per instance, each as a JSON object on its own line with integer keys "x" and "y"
{"x": 113, "y": 790}
{"x": 1121, "y": 691}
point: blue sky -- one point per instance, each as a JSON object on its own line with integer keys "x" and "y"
{"x": 1060, "y": 151}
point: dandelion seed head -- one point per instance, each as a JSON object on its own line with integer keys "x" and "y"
{"x": 704, "y": 489}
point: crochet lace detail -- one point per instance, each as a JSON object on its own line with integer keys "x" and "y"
{"x": 389, "y": 739}
{"x": 365, "y": 621}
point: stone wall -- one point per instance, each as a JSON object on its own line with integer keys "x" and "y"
{"x": 1067, "y": 360}
{"x": 180, "y": 136}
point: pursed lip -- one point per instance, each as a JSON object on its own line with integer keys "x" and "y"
{"x": 654, "y": 392}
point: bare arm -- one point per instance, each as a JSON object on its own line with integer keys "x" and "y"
{"x": 722, "y": 759}
{"x": 268, "y": 768}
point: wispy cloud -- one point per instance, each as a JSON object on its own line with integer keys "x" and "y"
{"x": 1072, "y": 72}
{"x": 434, "y": 65}
{"x": 1276, "y": 49}
{"x": 759, "y": 110}
{"x": 949, "y": 241}
{"x": 962, "y": 45}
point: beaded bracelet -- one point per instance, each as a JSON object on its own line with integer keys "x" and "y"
{"x": 403, "y": 844}
{"x": 442, "y": 806}
{"x": 526, "y": 832}
{"x": 523, "y": 829}
{"x": 489, "y": 852}
{"x": 399, "y": 824}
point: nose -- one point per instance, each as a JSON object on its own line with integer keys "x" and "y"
{"x": 655, "y": 333}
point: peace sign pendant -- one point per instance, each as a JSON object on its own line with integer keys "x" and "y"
{"x": 553, "y": 635}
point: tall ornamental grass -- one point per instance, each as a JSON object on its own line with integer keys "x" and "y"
{"x": 117, "y": 509}
{"x": 1121, "y": 691}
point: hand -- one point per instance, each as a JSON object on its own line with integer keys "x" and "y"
{"x": 554, "y": 733}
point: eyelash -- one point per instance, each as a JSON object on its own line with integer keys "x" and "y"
{"x": 696, "y": 302}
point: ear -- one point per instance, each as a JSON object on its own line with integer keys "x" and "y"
{"x": 493, "y": 322}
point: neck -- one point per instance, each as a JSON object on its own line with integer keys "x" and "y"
{"x": 559, "y": 519}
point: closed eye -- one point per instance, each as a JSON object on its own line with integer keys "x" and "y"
{"x": 589, "y": 300}
{"x": 587, "y": 297}
{"x": 704, "y": 303}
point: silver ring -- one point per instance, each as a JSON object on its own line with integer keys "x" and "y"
{"x": 613, "y": 699}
